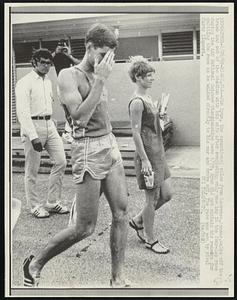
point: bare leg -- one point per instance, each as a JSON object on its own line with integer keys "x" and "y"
{"x": 165, "y": 193}
{"x": 164, "y": 196}
{"x": 138, "y": 220}
{"x": 87, "y": 201}
{"x": 154, "y": 200}
{"x": 148, "y": 214}
{"x": 114, "y": 187}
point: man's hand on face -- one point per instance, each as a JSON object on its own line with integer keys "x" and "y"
{"x": 104, "y": 68}
{"x": 37, "y": 145}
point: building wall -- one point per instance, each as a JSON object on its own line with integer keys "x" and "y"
{"x": 178, "y": 78}
{"x": 181, "y": 79}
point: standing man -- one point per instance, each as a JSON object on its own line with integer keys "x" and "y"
{"x": 34, "y": 110}
{"x": 96, "y": 159}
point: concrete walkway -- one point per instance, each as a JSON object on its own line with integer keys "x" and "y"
{"x": 84, "y": 269}
{"x": 184, "y": 161}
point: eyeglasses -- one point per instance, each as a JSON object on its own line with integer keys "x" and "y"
{"x": 45, "y": 62}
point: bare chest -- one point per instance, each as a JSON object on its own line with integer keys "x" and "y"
{"x": 84, "y": 83}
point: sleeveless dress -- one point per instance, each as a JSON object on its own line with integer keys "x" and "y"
{"x": 151, "y": 135}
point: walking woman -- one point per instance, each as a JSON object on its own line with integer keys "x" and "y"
{"x": 150, "y": 164}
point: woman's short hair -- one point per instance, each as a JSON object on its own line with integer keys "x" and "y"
{"x": 101, "y": 35}
{"x": 41, "y": 52}
{"x": 139, "y": 67}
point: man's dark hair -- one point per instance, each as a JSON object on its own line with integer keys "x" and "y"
{"x": 101, "y": 35}
{"x": 41, "y": 52}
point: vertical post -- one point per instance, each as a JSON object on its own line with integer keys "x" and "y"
{"x": 13, "y": 81}
{"x": 69, "y": 44}
{"x": 194, "y": 44}
{"x": 160, "y": 55}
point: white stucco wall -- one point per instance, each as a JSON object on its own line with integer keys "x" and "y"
{"x": 178, "y": 78}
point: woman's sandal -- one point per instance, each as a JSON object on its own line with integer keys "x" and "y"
{"x": 137, "y": 228}
{"x": 157, "y": 247}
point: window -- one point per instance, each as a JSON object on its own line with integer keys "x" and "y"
{"x": 146, "y": 46}
{"x": 177, "y": 43}
{"x": 50, "y": 45}
{"x": 23, "y": 51}
{"x": 78, "y": 48}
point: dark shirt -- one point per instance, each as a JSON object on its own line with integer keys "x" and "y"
{"x": 62, "y": 61}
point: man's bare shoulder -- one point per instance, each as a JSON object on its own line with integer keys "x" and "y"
{"x": 70, "y": 75}
{"x": 66, "y": 73}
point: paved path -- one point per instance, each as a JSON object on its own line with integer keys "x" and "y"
{"x": 84, "y": 269}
